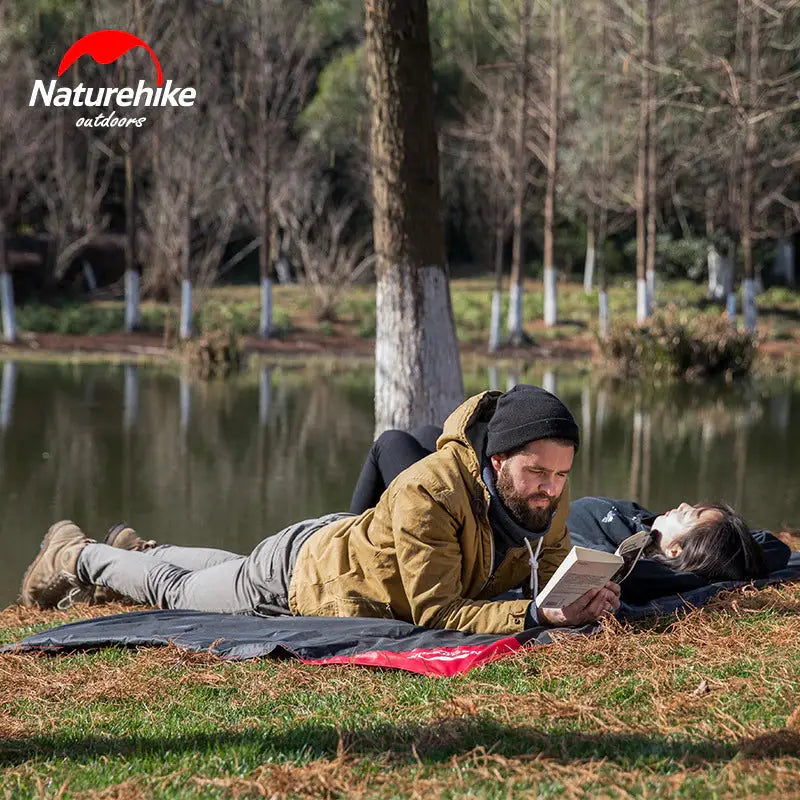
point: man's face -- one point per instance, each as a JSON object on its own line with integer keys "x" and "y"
{"x": 531, "y": 481}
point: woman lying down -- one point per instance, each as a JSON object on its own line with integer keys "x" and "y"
{"x": 690, "y": 546}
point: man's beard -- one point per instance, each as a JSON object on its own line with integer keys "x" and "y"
{"x": 532, "y": 519}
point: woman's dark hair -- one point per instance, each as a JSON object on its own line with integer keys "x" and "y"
{"x": 721, "y": 548}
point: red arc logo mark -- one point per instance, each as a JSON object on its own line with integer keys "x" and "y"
{"x": 106, "y": 47}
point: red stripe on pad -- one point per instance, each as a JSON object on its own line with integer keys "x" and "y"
{"x": 442, "y": 662}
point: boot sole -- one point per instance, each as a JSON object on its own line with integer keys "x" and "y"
{"x": 113, "y": 532}
{"x": 54, "y": 528}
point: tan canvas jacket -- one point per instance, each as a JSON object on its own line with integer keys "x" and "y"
{"x": 424, "y": 554}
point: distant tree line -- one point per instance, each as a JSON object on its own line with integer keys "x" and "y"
{"x": 592, "y": 135}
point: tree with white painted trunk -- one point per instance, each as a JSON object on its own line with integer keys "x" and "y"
{"x": 550, "y": 277}
{"x": 591, "y": 250}
{"x": 652, "y": 155}
{"x": 750, "y": 148}
{"x": 516, "y": 334}
{"x": 22, "y": 144}
{"x": 645, "y": 241}
{"x": 275, "y": 45}
{"x": 133, "y": 276}
{"x": 597, "y": 154}
{"x": 717, "y": 263}
{"x": 189, "y": 210}
{"x": 7, "y": 310}
{"x": 417, "y": 367}
{"x": 135, "y": 16}
{"x": 483, "y": 156}
{"x": 744, "y": 160}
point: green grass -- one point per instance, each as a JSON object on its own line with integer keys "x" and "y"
{"x": 237, "y": 308}
{"x": 622, "y": 713}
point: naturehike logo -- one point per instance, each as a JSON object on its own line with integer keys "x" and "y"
{"x": 105, "y": 47}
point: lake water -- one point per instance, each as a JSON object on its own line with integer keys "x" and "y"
{"x": 226, "y": 463}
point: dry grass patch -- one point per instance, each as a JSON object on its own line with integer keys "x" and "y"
{"x": 16, "y": 616}
{"x": 703, "y": 704}
{"x": 466, "y": 775}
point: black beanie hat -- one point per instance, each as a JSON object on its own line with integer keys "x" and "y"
{"x": 528, "y": 413}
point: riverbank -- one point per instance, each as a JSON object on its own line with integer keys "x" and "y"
{"x": 90, "y": 331}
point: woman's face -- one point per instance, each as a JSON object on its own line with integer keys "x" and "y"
{"x": 670, "y": 529}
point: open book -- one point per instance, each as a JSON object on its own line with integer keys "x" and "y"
{"x": 585, "y": 569}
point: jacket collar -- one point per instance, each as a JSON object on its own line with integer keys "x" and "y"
{"x": 467, "y": 427}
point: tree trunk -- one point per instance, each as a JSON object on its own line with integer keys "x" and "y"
{"x": 8, "y": 391}
{"x": 602, "y": 296}
{"x": 265, "y": 233}
{"x": 185, "y": 406}
{"x": 586, "y": 429}
{"x": 718, "y": 269}
{"x": 130, "y": 397}
{"x": 750, "y": 147}
{"x": 605, "y": 158}
{"x": 264, "y": 395}
{"x": 550, "y": 286}
{"x": 186, "y": 281}
{"x": 784, "y": 269}
{"x": 516, "y": 334}
{"x": 729, "y": 279}
{"x": 636, "y": 450}
{"x": 715, "y": 263}
{"x": 132, "y": 275}
{"x": 89, "y": 276}
{"x": 652, "y": 159}
{"x": 588, "y": 265}
{"x": 642, "y": 310}
{"x": 7, "y": 310}
{"x": 417, "y": 367}
{"x": 496, "y": 324}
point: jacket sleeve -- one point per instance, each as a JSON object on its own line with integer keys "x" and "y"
{"x": 557, "y": 543}
{"x": 429, "y": 556}
{"x": 776, "y": 553}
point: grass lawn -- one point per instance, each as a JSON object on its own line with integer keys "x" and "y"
{"x": 237, "y": 308}
{"x": 704, "y": 706}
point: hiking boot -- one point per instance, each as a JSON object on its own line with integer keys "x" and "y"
{"x": 51, "y": 581}
{"x": 125, "y": 538}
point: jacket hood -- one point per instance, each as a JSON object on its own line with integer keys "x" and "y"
{"x": 467, "y": 426}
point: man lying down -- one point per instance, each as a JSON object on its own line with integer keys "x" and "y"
{"x": 689, "y": 547}
{"x": 488, "y": 511}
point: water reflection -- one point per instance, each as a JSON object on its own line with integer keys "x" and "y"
{"x": 185, "y": 401}
{"x": 264, "y": 394}
{"x": 7, "y": 390}
{"x": 130, "y": 410}
{"x": 227, "y": 463}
